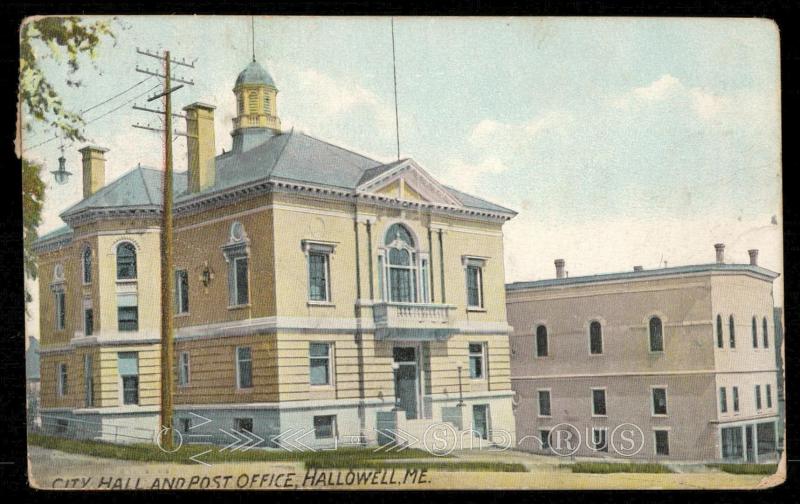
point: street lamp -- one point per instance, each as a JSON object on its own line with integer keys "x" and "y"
{"x": 61, "y": 175}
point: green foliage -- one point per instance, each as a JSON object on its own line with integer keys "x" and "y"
{"x": 32, "y": 202}
{"x": 615, "y": 467}
{"x": 62, "y": 39}
{"x": 765, "y": 469}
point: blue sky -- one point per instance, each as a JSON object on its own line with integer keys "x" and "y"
{"x": 619, "y": 141}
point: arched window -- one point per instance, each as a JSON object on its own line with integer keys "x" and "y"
{"x": 401, "y": 265}
{"x": 86, "y": 261}
{"x": 732, "y": 330}
{"x": 656, "y": 335}
{"x": 240, "y": 104}
{"x": 764, "y": 332}
{"x": 266, "y": 104}
{"x": 126, "y": 261}
{"x": 720, "y": 341}
{"x": 541, "y": 341}
{"x": 755, "y": 332}
{"x": 595, "y": 338}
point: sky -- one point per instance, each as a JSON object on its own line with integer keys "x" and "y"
{"x": 620, "y": 142}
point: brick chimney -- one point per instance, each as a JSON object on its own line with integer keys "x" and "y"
{"x": 559, "y": 268}
{"x": 94, "y": 169}
{"x": 720, "y": 248}
{"x": 200, "y": 146}
{"x": 753, "y": 257}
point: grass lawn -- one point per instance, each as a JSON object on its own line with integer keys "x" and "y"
{"x": 615, "y": 467}
{"x": 344, "y": 458}
{"x": 766, "y": 469}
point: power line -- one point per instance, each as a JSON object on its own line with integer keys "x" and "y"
{"x": 100, "y": 116}
{"x": 116, "y": 95}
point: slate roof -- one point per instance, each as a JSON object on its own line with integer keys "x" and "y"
{"x": 291, "y": 156}
{"x": 140, "y": 187}
{"x": 254, "y": 73}
{"x": 643, "y": 274}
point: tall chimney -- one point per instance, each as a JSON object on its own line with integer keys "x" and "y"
{"x": 559, "y": 268}
{"x": 200, "y": 146}
{"x": 720, "y": 248}
{"x": 94, "y": 169}
{"x": 753, "y": 257}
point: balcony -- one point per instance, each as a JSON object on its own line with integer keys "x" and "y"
{"x": 413, "y": 321}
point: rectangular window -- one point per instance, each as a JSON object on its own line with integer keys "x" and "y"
{"x": 541, "y": 341}
{"x": 88, "y": 380}
{"x": 736, "y": 399}
{"x": 600, "y": 439}
{"x": 544, "y": 438}
{"x": 61, "y": 310}
{"x": 758, "y": 397}
{"x": 127, "y": 312}
{"x": 598, "y": 402}
{"x": 732, "y": 443}
{"x": 128, "y": 366}
{"x": 241, "y": 291}
{"x": 186, "y": 424}
{"x": 769, "y": 395}
{"x": 320, "y": 363}
{"x": 662, "y": 442}
{"x": 244, "y": 368}
{"x": 318, "y": 269}
{"x": 474, "y": 286}
{"x": 723, "y": 400}
{"x": 88, "y": 321}
{"x": 243, "y": 424}
{"x": 183, "y": 369}
{"x": 595, "y": 338}
{"x": 476, "y": 359}
{"x": 544, "y": 403}
{"x": 659, "y": 401}
{"x": 62, "y": 380}
{"x": 181, "y": 291}
{"x": 324, "y": 426}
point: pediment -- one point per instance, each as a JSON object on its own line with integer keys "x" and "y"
{"x": 406, "y": 180}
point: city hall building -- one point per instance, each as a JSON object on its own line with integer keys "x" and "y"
{"x": 316, "y": 290}
{"x": 684, "y": 354}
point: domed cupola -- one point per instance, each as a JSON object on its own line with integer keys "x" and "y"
{"x": 256, "y": 107}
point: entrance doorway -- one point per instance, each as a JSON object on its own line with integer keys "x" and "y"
{"x": 406, "y": 380}
{"x": 480, "y": 420}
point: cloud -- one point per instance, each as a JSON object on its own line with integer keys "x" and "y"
{"x": 659, "y": 89}
{"x": 468, "y": 176}
{"x": 502, "y": 136}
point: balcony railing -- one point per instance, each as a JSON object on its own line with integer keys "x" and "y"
{"x": 413, "y": 321}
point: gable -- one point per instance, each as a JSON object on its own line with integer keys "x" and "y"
{"x": 406, "y": 180}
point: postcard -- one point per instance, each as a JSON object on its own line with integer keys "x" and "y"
{"x": 409, "y": 253}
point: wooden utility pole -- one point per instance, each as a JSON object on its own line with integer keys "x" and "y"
{"x": 167, "y": 279}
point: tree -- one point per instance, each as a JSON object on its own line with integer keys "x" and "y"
{"x": 69, "y": 39}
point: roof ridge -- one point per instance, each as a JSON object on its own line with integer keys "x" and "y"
{"x": 144, "y": 183}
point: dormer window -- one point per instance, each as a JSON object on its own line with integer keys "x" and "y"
{"x": 126, "y": 261}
